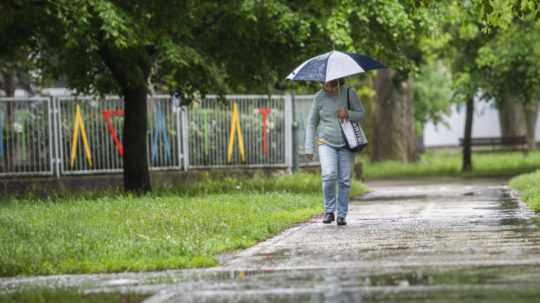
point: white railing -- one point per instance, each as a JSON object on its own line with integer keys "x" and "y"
{"x": 70, "y": 135}
{"x": 26, "y": 136}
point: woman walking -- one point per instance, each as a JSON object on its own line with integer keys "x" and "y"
{"x": 328, "y": 108}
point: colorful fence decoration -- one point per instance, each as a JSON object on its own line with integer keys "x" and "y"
{"x": 160, "y": 131}
{"x": 78, "y": 128}
{"x": 243, "y": 131}
{"x": 103, "y": 121}
{"x": 108, "y": 114}
{"x": 236, "y": 129}
{"x": 265, "y": 111}
{"x": 70, "y": 135}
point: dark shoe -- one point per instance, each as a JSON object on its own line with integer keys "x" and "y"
{"x": 328, "y": 218}
{"x": 341, "y": 221}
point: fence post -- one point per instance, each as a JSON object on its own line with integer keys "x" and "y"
{"x": 294, "y": 133}
{"x": 177, "y": 114}
{"x": 185, "y": 137}
{"x": 55, "y": 139}
{"x": 51, "y": 128}
{"x": 289, "y": 140}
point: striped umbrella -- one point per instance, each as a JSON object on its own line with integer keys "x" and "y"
{"x": 333, "y": 65}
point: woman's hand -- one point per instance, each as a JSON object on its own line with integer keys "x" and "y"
{"x": 309, "y": 157}
{"x": 343, "y": 114}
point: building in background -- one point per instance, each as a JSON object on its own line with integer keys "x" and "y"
{"x": 485, "y": 124}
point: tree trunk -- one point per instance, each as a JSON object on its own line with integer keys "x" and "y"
{"x": 531, "y": 117}
{"x": 392, "y": 120}
{"x": 136, "y": 174}
{"x": 467, "y": 155}
{"x": 9, "y": 90}
{"x": 512, "y": 118}
{"x": 131, "y": 69}
{"x": 421, "y": 148}
{"x": 9, "y": 83}
{"x": 409, "y": 127}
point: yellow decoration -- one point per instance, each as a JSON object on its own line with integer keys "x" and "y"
{"x": 79, "y": 127}
{"x": 235, "y": 126}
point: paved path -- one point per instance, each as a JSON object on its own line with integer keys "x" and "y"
{"x": 393, "y": 227}
{"x": 405, "y": 241}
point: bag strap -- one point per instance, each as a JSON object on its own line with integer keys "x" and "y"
{"x": 348, "y": 100}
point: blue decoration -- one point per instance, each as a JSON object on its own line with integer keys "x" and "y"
{"x": 160, "y": 130}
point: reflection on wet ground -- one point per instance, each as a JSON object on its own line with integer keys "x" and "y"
{"x": 471, "y": 242}
{"x": 495, "y": 284}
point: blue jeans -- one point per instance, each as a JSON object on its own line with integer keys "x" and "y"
{"x": 336, "y": 167}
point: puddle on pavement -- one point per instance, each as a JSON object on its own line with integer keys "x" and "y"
{"x": 491, "y": 284}
{"x": 472, "y": 295}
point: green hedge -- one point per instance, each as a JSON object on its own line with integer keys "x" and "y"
{"x": 528, "y": 186}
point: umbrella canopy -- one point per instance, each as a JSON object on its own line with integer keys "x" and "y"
{"x": 333, "y": 65}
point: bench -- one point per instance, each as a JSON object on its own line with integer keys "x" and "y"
{"x": 518, "y": 142}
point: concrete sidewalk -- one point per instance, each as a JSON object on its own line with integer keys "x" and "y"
{"x": 411, "y": 226}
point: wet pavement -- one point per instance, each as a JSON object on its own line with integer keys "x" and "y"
{"x": 407, "y": 241}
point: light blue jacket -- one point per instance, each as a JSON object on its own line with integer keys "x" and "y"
{"x": 323, "y": 116}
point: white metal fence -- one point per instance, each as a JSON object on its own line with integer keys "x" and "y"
{"x": 83, "y": 135}
{"x": 303, "y": 105}
{"x": 26, "y": 139}
{"x": 90, "y": 134}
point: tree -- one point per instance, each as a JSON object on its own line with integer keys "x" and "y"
{"x": 457, "y": 40}
{"x": 432, "y": 94}
{"x": 511, "y": 72}
{"x": 131, "y": 47}
{"x": 15, "y": 38}
{"x": 467, "y": 27}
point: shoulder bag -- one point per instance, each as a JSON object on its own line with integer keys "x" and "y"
{"x": 355, "y": 138}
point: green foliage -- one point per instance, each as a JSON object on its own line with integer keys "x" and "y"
{"x": 115, "y": 232}
{"x": 502, "y": 13}
{"x": 456, "y": 42}
{"x": 510, "y": 64}
{"x": 432, "y": 94}
{"x": 528, "y": 186}
{"x": 221, "y": 46}
{"x": 44, "y": 295}
{"x": 385, "y": 29}
{"x": 489, "y": 45}
{"x": 444, "y": 163}
{"x": 233, "y": 46}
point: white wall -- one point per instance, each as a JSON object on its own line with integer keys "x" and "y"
{"x": 485, "y": 124}
{"x": 55, "y": 91}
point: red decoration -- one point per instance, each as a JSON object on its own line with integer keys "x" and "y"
{"x": 265, "y": 111}
{"x": 107, "y": 115}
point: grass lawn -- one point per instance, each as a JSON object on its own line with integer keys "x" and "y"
{"x": 528, "y": 186}
{"x": 172, "y": 228}
{"x": 448, "y": 163}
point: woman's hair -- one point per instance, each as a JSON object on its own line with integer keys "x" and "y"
{"x": 335, "y": 82}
